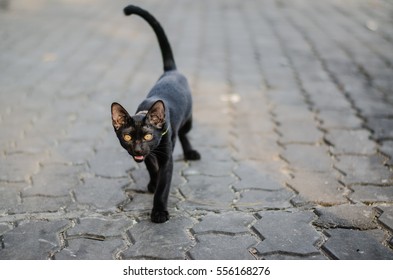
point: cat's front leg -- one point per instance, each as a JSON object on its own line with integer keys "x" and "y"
{"x": 152, "y": 167}
{"x": 160, "y": 213}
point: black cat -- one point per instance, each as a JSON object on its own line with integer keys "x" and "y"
{"x": 151, "y": 133}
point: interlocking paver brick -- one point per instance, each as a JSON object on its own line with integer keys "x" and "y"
{"x": 47, "y": 182}
{"x": 111, "y": 163}
{"x": 71, "y": 152}
{"x": 155, "y": 240}
{"x": 346, "y": 216}
{"x": 3, "y": 229}
{"x": 351, "y": 142}
{"x": 208, "y": 192}
{"x": 334, "y": 119}
{"x": 286, "y": 232}
{"x": 349, "y": 244}
{"x": 386, "y": 217}
{"x": 102, "y": 193}
{"x": 99, "y": 226}
{"x": 372, "y": 194}
{"x": 255, "y": 200}
{"x": 19, "y": 167}
{"x": 216, "y": 247}
{"x": 230, "y": 222}
{"x": 320, "y": 188}
{"x": 301, "y": 131}
{"x": 364, "y": 169}
{"x": 387, "y": 149}
{"x": 259, "y": 175}
{"x": 90, "y": 249}
{"x": 307, "y": 157}
{"x": 381, "y": 127}
{"x": 42, "y": 204}
{"x": 10, "y": 195}
{"x": 32, "y": 240}
{"x": 210, "y": 168}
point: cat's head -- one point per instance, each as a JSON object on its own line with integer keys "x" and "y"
{"x": 139, "y": 134}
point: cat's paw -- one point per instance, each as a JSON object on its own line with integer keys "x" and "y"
{"x": 159, "y": 216}
{"x": 192, "y": 155}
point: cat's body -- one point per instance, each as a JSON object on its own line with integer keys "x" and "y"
{"x": 150, "y": 134}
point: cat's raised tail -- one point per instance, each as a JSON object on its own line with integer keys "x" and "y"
{"x": 166, "y": 51}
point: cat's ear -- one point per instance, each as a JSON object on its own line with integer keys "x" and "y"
{"x": 119, "y": 115}
{"x": 156, "y": 114}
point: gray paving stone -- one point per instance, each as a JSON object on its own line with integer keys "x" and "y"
{"x": 321, "y": 188}
{"x": 372, "y": 194}
{"x": 4, "y": 228}
{"x": 259, "y": 147}
{"x": 326, "y": 97}
{"x": 210, "y": 168}
{"x": 260, "y": 175}
{"x": 343, "y": 119}
{"x": 285, "y": 113}
{"x": 387, "y": 217}
{"x": 208, "y": 192}
{"x": 71, "y": 152}
{"x": 55, "y": 180}
{"x": 351, "y": 142}
{"x": 10, "y": 195}
{"x": 32, "y": 240}
{"x": 245, "y": 127}
{"x": 42, "y": 204}
{"x": 89, "y": 249}
{"x": 300, "y": 131}
{"x": 102, "y": 193}
{"x": 291, "y": 97}
{"x": 255, "y": 200}
{"x": 348, "y": 244}
{"x": 155, "y": 241}
{"x": 374, "y": 108}
{"x": 113, "y": 162}
{"x": 102, "y": 226}
{"x": 215, "y": 154}
{"x": 222, "y": 247}
{"x": 364, "y": 169}
{"x": 19, "y": 167}
{"x": 286, "y": 232}
{"x": 387, "y": 149}
{"x": 382, "y": 127}
{"x": 316, "y": 159}
{"x": 230, "y": 222}
{"x": 346, "y": 216}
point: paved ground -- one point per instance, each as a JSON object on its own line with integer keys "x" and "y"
{"x": 293, "y": 117}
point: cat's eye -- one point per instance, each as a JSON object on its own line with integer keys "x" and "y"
{"x": 127, "y": 137}
{"x": 148, "y": 137}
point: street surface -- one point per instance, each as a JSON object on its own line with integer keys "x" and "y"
{"x": 293, "y": 117}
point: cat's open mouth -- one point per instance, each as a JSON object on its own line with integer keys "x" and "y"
{"x": 139, "y": 158}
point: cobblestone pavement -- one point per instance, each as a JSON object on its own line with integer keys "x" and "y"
{"x": 293, "y": 110}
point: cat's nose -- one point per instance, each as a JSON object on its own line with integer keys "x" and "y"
{"x": 138, "y": 149}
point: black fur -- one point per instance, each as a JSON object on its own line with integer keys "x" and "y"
{"x": 166, "y": 113}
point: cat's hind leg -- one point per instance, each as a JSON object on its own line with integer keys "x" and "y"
{"x": 189, "y": 152}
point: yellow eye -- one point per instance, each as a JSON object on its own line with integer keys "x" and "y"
{"x": 148, "y": 137}
{"x": 127, "y": 137}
